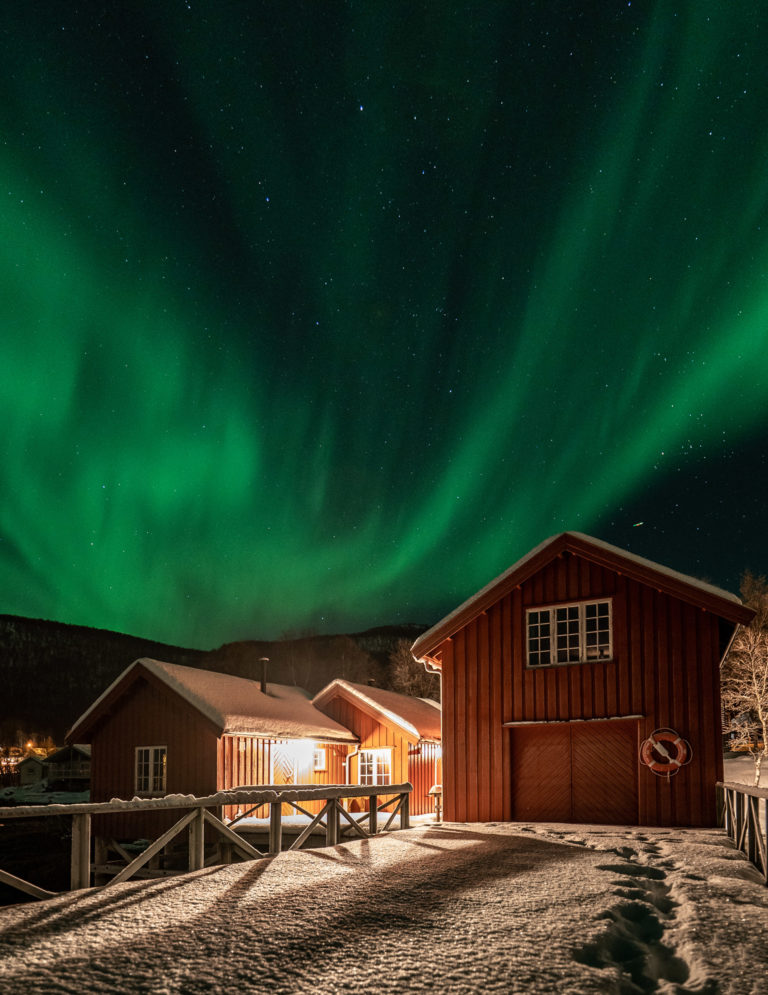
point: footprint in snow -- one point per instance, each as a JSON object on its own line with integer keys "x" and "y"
{"x": 632, "y": 943}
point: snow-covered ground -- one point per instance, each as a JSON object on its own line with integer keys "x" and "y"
{"x": 455, "y": 908}
{"x": 740, "y": 769}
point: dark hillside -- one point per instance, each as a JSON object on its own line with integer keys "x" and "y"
{"x": 51, "y": 672}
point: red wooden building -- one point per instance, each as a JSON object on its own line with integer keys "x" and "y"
{"x": 558, "y": 671}
{"x": 164, "y": 729}
{"x": 398, "y": 737}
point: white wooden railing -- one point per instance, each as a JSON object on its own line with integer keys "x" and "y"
{"x": 198, "y": 815}
{"x": 744, "y": 823}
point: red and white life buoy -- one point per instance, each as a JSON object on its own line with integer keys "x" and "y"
{"x": 665, "y": 752}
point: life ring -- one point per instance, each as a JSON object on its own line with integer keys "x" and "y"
{"x": 665, "y": 752}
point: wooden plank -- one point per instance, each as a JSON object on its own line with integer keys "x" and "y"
{"x": 80, "y": 862}
{"x": 153, "y": 848}
{"x": 275, "y": 827}
{"x": 26, "y": 886}
{"x": 459, "y": 781}
{"x": 330, "y": 803}
{"x": 355, "y": 823}
{"x": 483, "y": 798}
{"x": 196, "y": 855}
{"x": 472, "y": 721}
{"x": 497, "y": 680}
{"x": 236, "y": 840}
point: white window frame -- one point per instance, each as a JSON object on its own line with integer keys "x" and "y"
{"x": 559, "y": 635}
{"x": 375, "y": 764}
{"x": 150, "y": 773}
{"x": 320, "y": 759}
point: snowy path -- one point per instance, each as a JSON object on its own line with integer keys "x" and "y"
{"x": 457, "y": 908}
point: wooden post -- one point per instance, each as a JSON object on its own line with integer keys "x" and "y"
{"x": 373, "y": 814}
{"x": 197, "y": 841}
{"x": 80, "y": 867}
{"x": 405, "y": 811}
{"x": 332, "y": 823}
{"x": 275, "y": 827}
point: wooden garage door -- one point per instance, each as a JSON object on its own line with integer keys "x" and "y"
{"x": 582, "y": 772}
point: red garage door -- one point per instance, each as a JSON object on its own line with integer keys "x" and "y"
{"x": 577, "y": 772}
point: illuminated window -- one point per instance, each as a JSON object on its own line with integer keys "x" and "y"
{"x": 150, "y": 770}
{"x": 375, "y": 767}
{"x": 319, "y": 761}
{"x": 577, "y": 633}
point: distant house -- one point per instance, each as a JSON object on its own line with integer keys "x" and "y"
{"x": 30, "y": 769}
{"x": 559, "y": 670}
{"x": 69, "y": 769}
{"x": 398, "y": 735}
{"x": 161, "y": 728}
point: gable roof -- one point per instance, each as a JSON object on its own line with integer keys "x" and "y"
{"x": 29, "y": 759}
{"x": 66, "y": 752}
{"x": 232, "y": 704}
{"x": 419, "y": 718}
{"x": 679, "y": 585}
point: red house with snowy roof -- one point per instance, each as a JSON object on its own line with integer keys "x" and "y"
{"x": 582, "y": 685}
{"x": 161, "y": 728}
{"x": 398, "y": 737}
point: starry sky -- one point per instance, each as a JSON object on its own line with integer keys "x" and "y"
{"x": 318, "y": 315}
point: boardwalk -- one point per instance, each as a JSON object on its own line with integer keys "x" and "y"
{"x": 458, "y": 908}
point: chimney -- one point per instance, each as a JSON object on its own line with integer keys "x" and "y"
{"x": 264, "y": 661}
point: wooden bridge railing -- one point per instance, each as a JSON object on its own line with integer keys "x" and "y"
{"x": 740, "y": 807}
{"x": 198, "y": 815}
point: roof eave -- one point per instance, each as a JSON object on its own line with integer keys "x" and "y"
{"x": 426, "y": 648}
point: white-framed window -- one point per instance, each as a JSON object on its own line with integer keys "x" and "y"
{"x": 150, "y": 770}
{"x": 576, "y": 633}
{"x": 375, "y": 767}
{"x": 319, "y": 762}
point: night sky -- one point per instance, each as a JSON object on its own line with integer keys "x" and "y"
{"x": 320, "y": 315}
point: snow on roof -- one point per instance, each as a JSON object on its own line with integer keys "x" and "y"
{"x": 237, "y": 705}
{"x": 82, "y": 748}
{"x": 582, "y": 545}
{"x": 420, "y": 717}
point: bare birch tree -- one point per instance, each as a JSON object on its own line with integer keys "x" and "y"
{"x": 745, "y": 677}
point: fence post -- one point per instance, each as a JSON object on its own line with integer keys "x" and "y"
{"x": 373, "y": 814}
{"x": 275, "y": 827}
{"x": 80, "y": 866}
{"x": 197, "y": 841}
{"x": 332, "y": 822}
{"x": 405, "y": 811}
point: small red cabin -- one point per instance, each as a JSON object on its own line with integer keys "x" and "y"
{"x": 161, "y": 728}
{"x": 398, "y": 735}
{"x": 556, "y": 673}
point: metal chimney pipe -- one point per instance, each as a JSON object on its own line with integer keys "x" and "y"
{"x": 264, "y": 661}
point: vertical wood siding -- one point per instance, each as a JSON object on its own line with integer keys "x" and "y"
{"x": 376, "y": 735}
{"x": 150, "y": 715}
{"x": 665, "y": 667}
{"x": 424, "y": 771}
{"x": 247, "y": 760}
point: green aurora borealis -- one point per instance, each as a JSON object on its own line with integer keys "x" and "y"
{"x": 322, "y": 314}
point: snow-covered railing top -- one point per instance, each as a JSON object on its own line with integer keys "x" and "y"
{"x": 197, "y": 817}
{"x": 745, "y": 789}
{"x": 251, "y": 795}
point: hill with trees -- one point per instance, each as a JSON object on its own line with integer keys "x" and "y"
{"x": 51, "y": 672}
